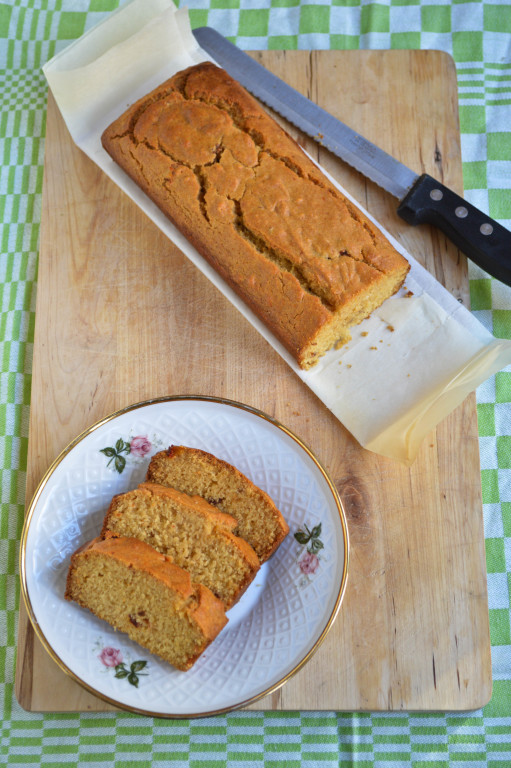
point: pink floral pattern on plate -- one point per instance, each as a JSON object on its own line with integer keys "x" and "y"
{"x": 308, "y": 563}
{"x": 310, "y": 545}
{"x": 140, "y": 446}
{"x": 112, "y": 658}
{"x": 137, "y": 447}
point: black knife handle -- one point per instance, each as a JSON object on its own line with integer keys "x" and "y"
{"x": 480, "y": 238}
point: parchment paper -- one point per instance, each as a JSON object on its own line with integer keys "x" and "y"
{"x": 407, "y": 366}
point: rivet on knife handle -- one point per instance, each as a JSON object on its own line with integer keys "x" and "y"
{"x": 480, "y": 238}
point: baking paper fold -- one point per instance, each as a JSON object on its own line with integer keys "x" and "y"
{"x": 408, "y": 366}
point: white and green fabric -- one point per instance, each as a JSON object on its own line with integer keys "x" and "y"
{"x": 478, "y": 35}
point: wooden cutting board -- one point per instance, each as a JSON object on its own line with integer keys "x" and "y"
{"x": 122, "y": 316}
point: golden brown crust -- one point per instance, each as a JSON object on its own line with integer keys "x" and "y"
{"x": 302, "y": 257}
{"x": 137, "y": 554}
{"x": 207, "y": 614}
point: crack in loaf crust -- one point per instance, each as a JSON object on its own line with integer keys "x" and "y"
{"x": 301, "y": 255}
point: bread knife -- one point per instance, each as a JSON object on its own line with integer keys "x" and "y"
{"x": 422, "y": 199}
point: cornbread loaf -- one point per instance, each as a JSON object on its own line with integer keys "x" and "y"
{"x": 141, "y": 592}
{"x": 198, "y": 473}
{"x": 301, "y": 255}
{"x": 195, "y": 534}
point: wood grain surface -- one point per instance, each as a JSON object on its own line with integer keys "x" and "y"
{"x": 123, "y": 316}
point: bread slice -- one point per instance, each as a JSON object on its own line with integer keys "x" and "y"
{"x": 199, "y": 473}
{"x": 139, "y": 591}
{"x": 196, "y": 536}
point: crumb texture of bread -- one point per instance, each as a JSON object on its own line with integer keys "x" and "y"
{"x": 139, "y": 591}
{"x": 196, "y": 535}
{"x": 298, "y": 252}
{"x": 198, "y": 473}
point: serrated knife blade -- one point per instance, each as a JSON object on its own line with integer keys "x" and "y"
{"x": 422, "y": 198}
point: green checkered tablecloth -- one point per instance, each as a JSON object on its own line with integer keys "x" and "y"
{"x": 478, "y": 35}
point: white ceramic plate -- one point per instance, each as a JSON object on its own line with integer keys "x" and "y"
{"x": 278, "y": 623}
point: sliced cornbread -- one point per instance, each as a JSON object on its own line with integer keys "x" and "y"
{"x": 194, "y": 533}
{"x": 141, "y": 592}
{"x": 198, "y": 473}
